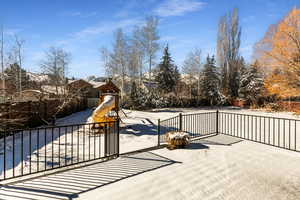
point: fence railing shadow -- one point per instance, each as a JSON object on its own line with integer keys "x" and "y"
{"x": 69, "y": 184}
{"x": 218, "y": 140}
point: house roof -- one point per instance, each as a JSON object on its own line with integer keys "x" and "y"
{"x": 108, "y": 86}
{"x": 97, "y": 84}
{"x": 103, "y": 86}
{"x": 74, "y": 82}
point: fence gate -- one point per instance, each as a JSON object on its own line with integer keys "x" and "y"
{"x": 25, "y": 152}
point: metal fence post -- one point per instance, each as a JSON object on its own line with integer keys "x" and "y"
{"x": 158, "y": 132}
{"x": 118, "y": 135}
{"x": 106, "y": 150}
{"x": 217, "y": 122}
{"x": 180, "y": 121}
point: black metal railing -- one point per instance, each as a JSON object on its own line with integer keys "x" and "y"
{"x": 196, "y": 124}
{"x": 278, "y": 132}
{"x": 25, "y": 152}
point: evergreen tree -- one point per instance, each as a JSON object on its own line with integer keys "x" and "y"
{"x": 251, "y": 83}
{"x": 238, "y": 69}
{"x": 134, "y": 95}
{"x": 210, "y": 84}
{"x": 167, "y": 75}
{"x": 13, "y": 74}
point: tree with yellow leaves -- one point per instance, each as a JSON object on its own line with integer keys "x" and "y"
{"x": 279, "y": 53}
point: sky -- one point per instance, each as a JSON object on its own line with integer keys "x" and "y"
{"x": 82, "y": 27}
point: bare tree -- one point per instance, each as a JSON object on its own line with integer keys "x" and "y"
{"x": 19, "y": 53}
{"x": 110, "y": 70}
{"x": 150, "y": 39}
{"x": 56, "y": 65}
{"x": 2, "y": 62}
{"x": 192, "y": 67}
{"x": 119, "y": 57}
{"x": 133, "y": 62}
{"x": 228, "y": 44}
{"x": 136, "y": 55}
{"x": 222, "y": 51}
{"x": 16, "y": 57}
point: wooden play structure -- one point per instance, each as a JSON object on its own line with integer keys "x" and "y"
{"x": 108, "y": 108}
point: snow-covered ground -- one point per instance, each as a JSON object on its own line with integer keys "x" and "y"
{"x": 138, "y": 131}
{"x": 215, "y": 168}
{"x": 143, "y": 126}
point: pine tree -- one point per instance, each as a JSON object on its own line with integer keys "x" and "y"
{"x": 251, "y": 83}
{"x": 168, "y": 75}
{"x": 134, "y": 96}
{"x": 210, "y": 84}
{"x": 13, "y": 74}
{"x": 235, "y": 76}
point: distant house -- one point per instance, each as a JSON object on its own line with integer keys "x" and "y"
{"x": 81, "y": 87}
{"x": 105, "y": 87}
{"x": 96, "y": 85}
{"x": 149, "y": 85}
{"x": 91, "y": 89}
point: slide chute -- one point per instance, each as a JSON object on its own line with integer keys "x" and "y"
{"x": 101, "y": 112}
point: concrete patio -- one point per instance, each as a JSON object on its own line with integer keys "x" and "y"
{"x": 219, "y": 167}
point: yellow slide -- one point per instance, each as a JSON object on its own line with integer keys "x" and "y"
{"x": 100, "y": 114}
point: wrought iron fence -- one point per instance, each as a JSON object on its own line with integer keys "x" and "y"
{"x": 24, "y": 152}
{"x": 197, "y": 124}
{"x": 278, "y": 132}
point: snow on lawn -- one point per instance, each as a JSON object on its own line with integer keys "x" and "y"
{"x": 138, "y": 131}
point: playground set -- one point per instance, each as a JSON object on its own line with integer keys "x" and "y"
{"x": 107, "y": 111}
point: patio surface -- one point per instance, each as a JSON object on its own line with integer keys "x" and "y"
{"x": 219, "y": 167}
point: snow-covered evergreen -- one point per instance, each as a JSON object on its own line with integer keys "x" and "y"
{"x": 167, "y": 75}
{"x": 251, "y": 83}
{"x": 210, "y": 83}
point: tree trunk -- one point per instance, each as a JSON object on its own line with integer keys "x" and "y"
{"x": 150, "y": 64}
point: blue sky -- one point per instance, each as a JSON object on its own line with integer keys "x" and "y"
{"x": 82, "y": 27}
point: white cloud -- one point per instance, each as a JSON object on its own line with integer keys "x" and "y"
{"x": 76, "y": 40}
{"x": 77, "y": 14}
{"x": 106, "y": 27}
{"x": 178, "y": 7}
{"x": 11, "y": 32}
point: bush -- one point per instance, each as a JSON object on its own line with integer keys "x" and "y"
{"x": 273, "y": 107}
